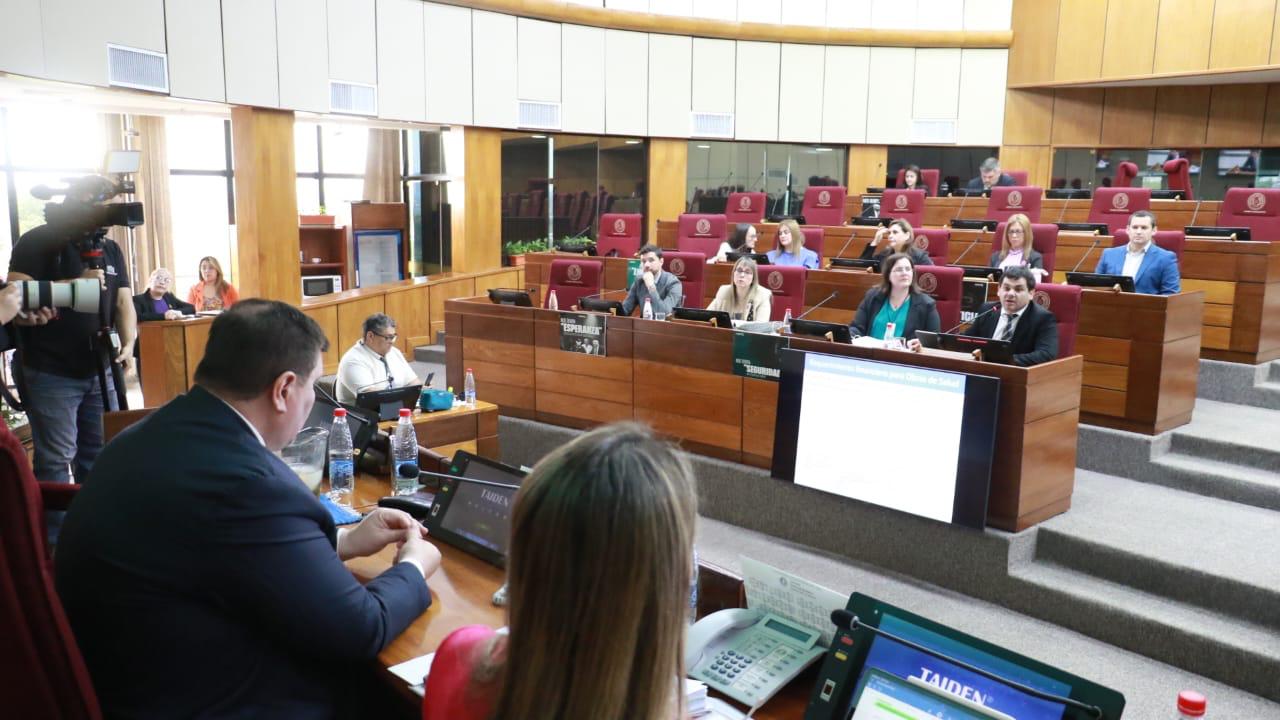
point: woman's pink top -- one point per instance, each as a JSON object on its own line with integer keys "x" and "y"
{"x": 450, "y": 693}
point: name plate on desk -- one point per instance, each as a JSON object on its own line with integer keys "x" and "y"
{"x": 583, "y": 333}
{"x": 758, "y": 356}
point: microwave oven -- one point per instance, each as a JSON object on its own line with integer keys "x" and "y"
{"x": 313, "y": 285}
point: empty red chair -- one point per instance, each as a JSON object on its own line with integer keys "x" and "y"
{"x": 1019, "y": 176}
{"x": 813, "y": 237}
{"x": 787, "y": 285}
{"x": 928, "y": 176}
{"x": 571, "y": 279}
{"x": 1178, "y": 173}
{"x": 1175, "y": 241}
{"x": 1064, "y": 302}
{"x": 1044, "y": 240}
{"x": 1125, "y": 173}
{"x": 700, "y": 233}
{"x": 934, "y": 241}
{"x": 823, "y": 205}
{"x": 688, "y": 266}
{"x": 51, "y": 679}
{"x": 1007, "y": 201}
{"x": 619, "y": 234}
{"x": 745, "y": 207}
{"x": 1254, "y": 208}
{"x": 1113, "y": 206}
{"x": 903, "y": 205}
{"x": 946, "y": 285}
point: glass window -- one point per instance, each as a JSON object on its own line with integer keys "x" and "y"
{"x": 196, "y": 143}
{"x": 339, "y": 193}
{"x": 6, "y": 242}
{"x": 344, "y": 148}
{"x": 305, "y": 149}
{"x": 56, "y": 137}
{"x": 955, "y": 165}
{"x": 308, "y": 196}
{"x": 781, "y": 171}
{"x": 199, "y": 210}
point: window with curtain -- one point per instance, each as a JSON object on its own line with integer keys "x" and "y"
{"x": 201, "y": 196}
{"x": 330, "y": 159}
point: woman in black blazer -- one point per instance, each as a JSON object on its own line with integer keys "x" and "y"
{"x": 157, "y": 303}
{"x": 1017, "y": 247}
{"x": 901, "y": 237}
{"x": 897, "y": 302}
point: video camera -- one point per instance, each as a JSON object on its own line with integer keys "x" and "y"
{"x": 84, "y": 214}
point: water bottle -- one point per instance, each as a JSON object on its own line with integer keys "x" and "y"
{"x": 1191, "y": 705}
{"x": 647, "y": 313}
{"x": 786, "y": 321}
{"x": 404, "y": 451}
{"x": 693, "y": 590}
{"x": 342, "y": 465}
{"x": 469, "y": 390}
{"x": 552, "y": 303}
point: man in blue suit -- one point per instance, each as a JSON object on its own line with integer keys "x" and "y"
{"x": 201, "y": 577}
{"x": 1154, "y": 270}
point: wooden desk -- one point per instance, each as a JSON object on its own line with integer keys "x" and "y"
{"x": 458, "y": 428}
{"x": 679, "y": 379}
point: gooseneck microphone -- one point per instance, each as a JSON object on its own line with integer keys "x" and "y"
{"x": 1195, "y": 213}
{"x": 974, "y": 320}
{"x": 842, "y": 248}
{"x": 971, "y": 246}
{"x": 825, "y": 300}
{"x": 964, "y": 198}
{"x": 1097, "y": 239}
{"x": 1065, "y": 202}
{"x": 410, "y": 471}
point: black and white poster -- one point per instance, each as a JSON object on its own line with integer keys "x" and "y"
{"x": 583, "y": 332}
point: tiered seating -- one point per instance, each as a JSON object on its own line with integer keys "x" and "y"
{"x": 1255, "y": 208}
{"x": 902, "y": 205}
{"x": 1008, "y": 201}
{"x": 928, "y": 176}
{"x": 700, "y": 233}
{"x": 934, "y": 241}
{"x": 946, "y": 285}
{"x": 1125, "y": 173}
{"x": 619, "y": 234}
{"x": 1044, "y": 240}
{"x": 745, "y": 207}
{"x": 1175, "y": 241}
{"x": 1113, "y": 206}
{"x": 1178, "y": 173}
{"x": 813, "y": 237}
{"x": 571, "y": 279}
{"x": 1064, "y": 302}
{"x": 787, "y": 283}
{"x": 689, "y": 267}
{"x": 824, "y": 205}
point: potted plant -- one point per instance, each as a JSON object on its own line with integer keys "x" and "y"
{"x": 578, "y": 244}
{"x": 516, "y": 250}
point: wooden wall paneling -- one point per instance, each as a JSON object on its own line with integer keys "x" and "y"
{"x": 326, "y": 317}
{"x": 193, "y": 41}
{"x": 1182, "y": 35}
{"x": 1271, "y": 119}
{"x": 513, "y": 278}
{"x": 1034, "y": 46}
{"x": 582, "y": 53}
{"x": 477, "y": 245}
{"x": 667, "y": 181}
{"x": 1236, "y": 115}
{"x": 1080, "y": 36}
{"x": 866, "y": 167}
{"x": 756, "y": 91}
{"x": 266, "y": 253}
{"x": 671, "y": 68}
{"x": 351, "y": 317}
{"x": 982, "y": 96}
{"x": 249, "y": 52}
{"x": 494, "y": 43}
{"x": 626, "y": 91}
{"x": 845, "y": 79}
{"x": 1129, "y": 41}
{"x": 401, "y": 44}
{"x": 759, "y": 417}
{"x": 1037, "y": 160}
{"x": 301, "y": 28}
{"x": 1077, "y": 116}
{"x": 449, "y": 66}
{"x": 195, "y": 337}
{"x": 1028, "y": 117}
{"x": 1275, "y": 42}
{"x": 803, "y": 66}
{"x": 1182, "y": 115}
{"x": 442, "y": 292}
{"x": 164, "y": 341}
{"x": 411, "y": 309}
{"x": 1128, "y": 115}
{"x": 1241, "y": 35}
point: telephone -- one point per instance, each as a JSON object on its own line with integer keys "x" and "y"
{"x": 749, "y": 655}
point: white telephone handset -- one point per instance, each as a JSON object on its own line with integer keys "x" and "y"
{"x": 749, "y": 655}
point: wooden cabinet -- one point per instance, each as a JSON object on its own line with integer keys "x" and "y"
{"x": 324, "y": 252}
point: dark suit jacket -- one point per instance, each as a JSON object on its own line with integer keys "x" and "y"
{"x": 1035, "y": 339}
{"x": 1005, "y": 180}
{"x": 918, "y": 256}
{"x": 1034, "y": 259}
{"x": 146, "y": 310}
{"x": 200, "y": 576}
{"x": 922, "y": 315}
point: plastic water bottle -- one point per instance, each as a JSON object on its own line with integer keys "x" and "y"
{"x": 1191, "y": 705}
{"x": 693, "y": 590}
{"x": 469, "y": 390}
{"x": 342, "y": 464}
{"x": 404, "y": 451}
{"x": 786, "y": 321}
{"x": 889, "y": 329}
{"x": 552, "y": 303}
{"x": 647, "y": 313}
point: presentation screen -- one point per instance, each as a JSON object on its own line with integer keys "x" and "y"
{"x": 903, "y": 437}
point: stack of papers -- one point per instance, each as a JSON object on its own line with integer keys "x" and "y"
{"x": 695, "y": 698}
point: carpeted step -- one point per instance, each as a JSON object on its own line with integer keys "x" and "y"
{"x": 1216, "y": 478}
{"x": 1245, "y": 655}
{"x": 1232, "y": 451}
{"x": 432, "y": 354}
{"x": 1249, "y": 385}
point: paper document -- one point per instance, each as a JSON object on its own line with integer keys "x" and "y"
{"x": 414, "y": 672}
{"x": 792, "y": 597}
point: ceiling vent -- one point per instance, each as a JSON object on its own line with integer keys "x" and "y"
{"x": 138, "y": 69}
{"x": 540, "y": 115}
{"x": 933, "y": 132}
{"x": 711, "y": 125}
{"x": 352, "y": 98}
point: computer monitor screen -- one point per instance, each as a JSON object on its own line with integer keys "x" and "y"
{"x": 952, "y": 414}
{"x": 885, "y": 696}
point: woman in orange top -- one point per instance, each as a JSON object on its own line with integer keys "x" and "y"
{"x": 213, "y": 292}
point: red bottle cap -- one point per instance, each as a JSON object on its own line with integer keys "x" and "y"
{"x": 468, "y": 369}
{"x": 339, "y": 412}
{"x": 1191, "y": 703}
{"x": 404, "y": 412}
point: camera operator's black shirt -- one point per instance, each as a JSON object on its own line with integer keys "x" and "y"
{"x": 65, "y": 346}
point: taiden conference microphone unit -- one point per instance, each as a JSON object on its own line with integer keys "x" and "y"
{"x": 988, "y": 311}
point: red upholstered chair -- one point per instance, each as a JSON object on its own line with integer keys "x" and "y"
{"x": 946, "y": 284}
{"x": 1113, "y": 206}
{"x": 51, "y": 680}
{"x": 903, "y": 205}
{"x": 688, "y": 266}
{"x": 1175, "y": 241}
{"x": 745, "y": 207}
{"x": 700, "y": 233}
{"x": 1125, "y": 173}
{"x": 1019, "y": 176}
{"x": 928, "y": 176}
{"x": 787, "y": 284}
{"x": 619, "y": 234}
{"x": 813, "y": 237}
{"x": 1044, "y": 240}
{"x": 1254, "y": 208}
{"x": 571, "y": 279}
{"x": 1008, "y": 201}
{"x": 1064, "y": 302}
{"x": 934, "y": 241}
{"x": 1178, "y": 173}
{"x": 823, "y": 205}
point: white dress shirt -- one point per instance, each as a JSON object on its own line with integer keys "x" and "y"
{"x": 1133, "y": 261}
{"x": 362, "y": 369}
{"x": 1006, "y": 320}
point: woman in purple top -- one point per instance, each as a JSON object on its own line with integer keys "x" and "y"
{"x": 157, "y": 302}
{"x": 791, "y": 249}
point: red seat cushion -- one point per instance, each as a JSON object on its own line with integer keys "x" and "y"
{"x": 946, "y": 285}
{"x": 823, "y": 205}
{"x": 571, "y": 279}
{"x": 700, "y": 233}
{"x": 903, "y": 205}
{"x": 1254, "y": 208}
{"x": 745, "y": 207}
{"x": 1064, "y": 302}
{"x": 619, "y": 232}
{"x": 813, "y": 237}
{"x": 1178, "y": 174}
{"x": 1019, "y": 176}
{"x": 928, "y": 177}
{"x": 689, "y": 267}
{"x": 1008, "y": 201}
{"x": 934, "y": 241}
{"x": 1125, "y": 173}
{"x": 1113, "y": 206}
{"x": 787, "y": 283}
{"x": 1175, "y": 241}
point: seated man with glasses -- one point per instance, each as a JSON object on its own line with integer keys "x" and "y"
{"x": 374, "y": 363}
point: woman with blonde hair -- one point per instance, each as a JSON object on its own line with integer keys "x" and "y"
{"x": 213, "y": 292}
{"x": 1017, "y": 246}
{"x": 791, "y": 249}
{"x": 598, "y": 592}
{"x": 743, "y": 298}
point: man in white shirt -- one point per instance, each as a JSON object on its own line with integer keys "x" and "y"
{"x": 374, "y": 363}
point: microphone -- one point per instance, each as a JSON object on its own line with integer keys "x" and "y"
{"x": 1193, "y": 214}
{"x": 753, "y": 183}
{"x": 842, "y": 249}
{"x": 411, "y": 471}
{"x": 826, "y": 300}
{"x": 971, "y": 246}
{"x": 963, "y": 199}
{"x": 1097, "y": 239}
{"x": 1065, "y": 201}
{"x": 975, "y": 318}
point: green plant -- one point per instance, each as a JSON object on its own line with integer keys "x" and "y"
{"x": 575, "y": 244}
{"x": 520, "y": 247}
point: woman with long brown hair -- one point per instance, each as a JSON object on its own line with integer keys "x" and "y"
{"x": 213, "y": 292}
{"x": 598, "y": 589}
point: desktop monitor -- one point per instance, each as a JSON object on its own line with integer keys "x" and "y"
{"x": 1218, "y": 231}
{"x": 815, "y": 424}
{"x": 388, "y": 401}
{"x": 997, "y": 351}
{"x": 510, "y": 296}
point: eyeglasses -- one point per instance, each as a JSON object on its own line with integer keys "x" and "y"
{"x": 389, "y": 338}
{"x": 742, "y": 271}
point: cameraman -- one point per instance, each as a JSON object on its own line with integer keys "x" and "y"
{"x": 60, "y": 352}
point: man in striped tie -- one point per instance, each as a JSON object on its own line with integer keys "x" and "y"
{"x": 1029, "y": 328}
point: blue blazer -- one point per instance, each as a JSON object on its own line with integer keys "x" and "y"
{"x": 200, "y": 577}
{"x": 1157, "y": 275}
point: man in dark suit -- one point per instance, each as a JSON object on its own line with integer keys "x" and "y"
{"x": 200, "y": 576}
{"x": 1032, "y": 330}
{"x": 989, "y": 175}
